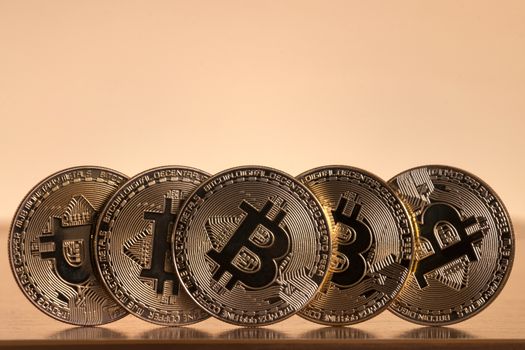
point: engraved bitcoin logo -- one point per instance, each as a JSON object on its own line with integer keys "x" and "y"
{"x": 66, "y": 241}
{"x": 250, "y": 253}
{"x": 354, "y": 238}
{"x": 73, "y": 251}
{"x": 161, "y": 267}
{"x": 444, "y": 240}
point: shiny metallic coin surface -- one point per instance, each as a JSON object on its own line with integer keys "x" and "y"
{"x": 373, "y": 243}
{"x": 465, "y": 248}
{"x": 133, "y": 245}
{"x": 50, "y": 241}
{"x": 252, "y": 245}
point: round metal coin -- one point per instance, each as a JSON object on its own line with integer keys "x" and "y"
{"x": 373, "y": 239}
{"x": 465, "y": 248}
{"x": 50, "y": 241}
{"x": 133, "y": 245}
{"x": 252, "y": 245}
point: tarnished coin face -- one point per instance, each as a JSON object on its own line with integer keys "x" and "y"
{"x": 465, "y": 248}
{"x": 133, "y": 246}
{"x": 252, "y": 245}
{"x": 50, "y": 241}
{"x": 373, "y": 240}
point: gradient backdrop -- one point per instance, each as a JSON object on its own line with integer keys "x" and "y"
{"x": 382, "y": 85}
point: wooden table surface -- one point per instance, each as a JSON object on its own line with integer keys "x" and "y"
{"x": 501, "y": 325}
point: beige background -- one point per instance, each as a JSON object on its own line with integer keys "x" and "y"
{"x": 382, "y": 85}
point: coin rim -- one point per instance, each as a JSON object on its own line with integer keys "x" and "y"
{"x": 253, "y": 167}
{"x": 29, "y": 193}
{"x": 413, "y": 229}
{"x": 96, "y": 234}
{"x": 511, "y": 257}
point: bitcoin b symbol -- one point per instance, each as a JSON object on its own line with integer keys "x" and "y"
{"x": 67, "y": 243}
{"x": 354, "y": 239}
{"x": 72, "y": 261}
{"x": 250, "y": 253}
{"x": 160, "y": 269}
{"x": 446, "y": 233}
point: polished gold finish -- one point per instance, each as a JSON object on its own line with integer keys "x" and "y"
{"x": 373, "y": 243}
{"x": 252, "y": 245}
{"x": 49, "y": 245}
{"x": 133, "y": 245}
{"x": 465, "y": 250}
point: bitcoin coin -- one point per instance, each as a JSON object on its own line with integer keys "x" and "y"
{"x": 373, "y": 238}
{"x": 465, "y": 248}
{"x": 252, "y": 245}
{"x": 133, "y": 245}
{"x": 50, "y": 241}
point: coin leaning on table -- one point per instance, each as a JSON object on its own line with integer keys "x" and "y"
{"x": 465, "y": 249}
{"x": 252, "y": 245}
{"x": 133, "y": 245}
{"x": 373, "y": 235}
{"x": 49, "y": 245}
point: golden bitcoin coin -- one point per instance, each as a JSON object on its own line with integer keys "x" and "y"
{"x": 373, "y": 242}
{"x": 133, "y": 245}
{"x": 50, "y": 241}
{"x": 252, "y": 245}
{"x": 465, "y": 249}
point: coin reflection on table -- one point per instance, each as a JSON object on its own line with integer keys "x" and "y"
{"x": 337, "y": 333}
{"x": 252, "y": 333}
{"x": 168, "y": 333}
{"x": 436, "y": 333}
{"x": 87, "y": 333}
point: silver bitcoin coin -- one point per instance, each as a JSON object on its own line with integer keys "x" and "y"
{"x": 252, "y": 245}
{"x": 133, "y": 245}
{"x": 465, "y": 249}
{"x": 373, "y": 235}
{"x": 50, "y": 241}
